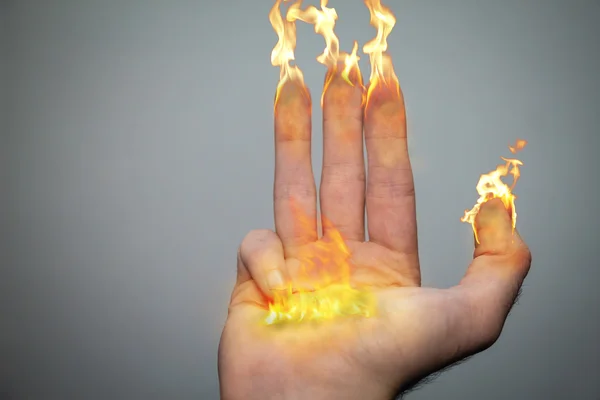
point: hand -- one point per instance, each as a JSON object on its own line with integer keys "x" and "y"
{"x": 416, "y": 331}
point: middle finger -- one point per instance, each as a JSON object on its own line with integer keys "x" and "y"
{"x": 295, "y": 199}
{"x": 342, "y": 192}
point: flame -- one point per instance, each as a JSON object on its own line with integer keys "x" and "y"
{"x": 323, "y": 279}
{"x": 351, "y": 62}
{"x": 382, "y": 70}
{"x": 283, "y": 52}
{"x": 519, "y": 145}
{"x": 328, "y": 303}
{"x": 491, "y": 186}
{"x": 322, "y": 283}
{"x": 324, "y": 23}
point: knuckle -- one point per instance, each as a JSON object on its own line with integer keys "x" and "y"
{"x": 525, "y": 256}
{"x": 392, "y": 188}
{"x": 519, "y": 257}
{"x": 487, "y": 321}
{"x": 293, "y": 122}
{"x": 489, "y": 332}
{"x": 286, "y": 191}
{"x": 254, "y": 243}
{"x": 343, "y": 173}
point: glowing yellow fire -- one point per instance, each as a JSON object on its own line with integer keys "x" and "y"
{"x": 325, "y": 266}
{"x": 324, "y": 22}
{"x": 283, "y": 52}
{"x": 491, "y": 186}
{"x": 350, "y": 63}
{"x": 327, "y": 303}
{"x": 382, "y": 70}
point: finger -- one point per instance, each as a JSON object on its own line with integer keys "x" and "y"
{"x": 467, "y": 318}
{"x": 342, "y": 191}
{"x": 391, "y": 213}
{"x": 261, "y": 259}
{"x": 494, "y": 229}
{"x": 500, "y": 254}
{"x": 501, "y": 263}
{"x": 294, "y": 191}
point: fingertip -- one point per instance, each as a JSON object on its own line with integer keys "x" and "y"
{"x": 342, "y": 89}
{"x": 493, "y": 214}
{"x": 494, "y": 229}
{"x": 292, "y": 93}
{"x": 495, "y": 207}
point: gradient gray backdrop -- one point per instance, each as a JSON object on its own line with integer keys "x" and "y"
{"x": 137, "y": 151}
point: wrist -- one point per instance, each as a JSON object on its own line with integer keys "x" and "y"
{"x": 291, "y": 389}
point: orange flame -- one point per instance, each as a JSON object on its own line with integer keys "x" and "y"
{"x": 283, "y": 52}
{"x": 382, "y": 70}
{"x": 350, "y": 63}
{"x": 519, "y": 145}
{"x": 323, "y": 283}
{"x": 324, "y": 22}
{"x": 491, "y": 186}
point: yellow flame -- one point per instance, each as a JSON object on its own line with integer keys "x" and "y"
{"x": 328, "y": 303}
{"x": 325, "y": 267}
{"x": 491, "y": 186}
{"x": 283, "y": 52}
{"x": 350, "y": 63}
{"x": 324, "y": 24}
{"x": 383, "y": 20}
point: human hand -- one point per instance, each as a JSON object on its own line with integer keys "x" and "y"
{"x": 415, "y": 331}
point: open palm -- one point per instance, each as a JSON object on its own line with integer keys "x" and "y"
{"x": 416, "y": 330}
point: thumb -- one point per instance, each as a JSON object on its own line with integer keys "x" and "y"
{"x": 501, "y": 257}
{"x": 494, "y": 233}
{"x": 261, "y": 259}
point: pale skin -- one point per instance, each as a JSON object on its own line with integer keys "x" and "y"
{"x": 416, "y": 330}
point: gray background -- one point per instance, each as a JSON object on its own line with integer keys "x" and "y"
{"x": 137, "y": 152}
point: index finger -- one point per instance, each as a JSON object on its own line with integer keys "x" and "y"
{"x": 294, "y": 193}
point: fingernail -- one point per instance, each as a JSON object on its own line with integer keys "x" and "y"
{"x": 275, "y": 280}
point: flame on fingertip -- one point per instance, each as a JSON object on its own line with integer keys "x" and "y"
{"x": 350, "y": 63}
{"x": 382, "y": 70}
{"x": 324, "y": 24}
{"x": 324, "y": 21}
{"x": 283, "y": 52}
{"x": 491, "y": 186}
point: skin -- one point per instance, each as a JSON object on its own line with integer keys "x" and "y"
{"x": 416, "y": 331}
